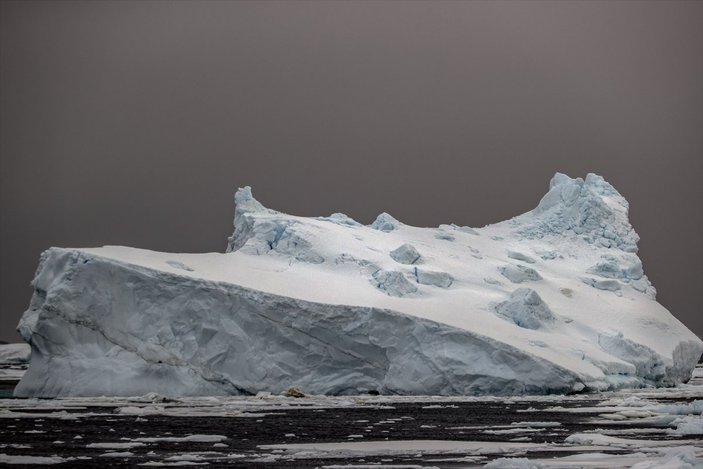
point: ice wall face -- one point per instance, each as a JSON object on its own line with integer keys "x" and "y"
{"x": 592, "y": 209}
{"x": 554, "y": 300}
{"x": 145, "y": 331}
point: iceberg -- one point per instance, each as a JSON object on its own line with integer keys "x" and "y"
{"x": 14, "y": 354}
{"x": 328, "y": 305}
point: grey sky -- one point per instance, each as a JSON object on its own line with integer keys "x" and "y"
{"x": 134, "y": 122}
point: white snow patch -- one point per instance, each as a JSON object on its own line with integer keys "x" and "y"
{"x": 513, "y": 463}
{"x": 115, "y": 445}
{"x": 117, "y": 454}
{"x": 189, "y": 438}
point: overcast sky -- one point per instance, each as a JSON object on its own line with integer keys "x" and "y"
{"x": 133, "y": 123}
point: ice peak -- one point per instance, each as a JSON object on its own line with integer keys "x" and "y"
{"x": 385, "y": 222}
{"x": 244, "y": 201}
{"x": 591, "y": 208}
{"x": 564, "y": 190}
{"x": 245, "y": 205}
{"x": 559, "y": 179}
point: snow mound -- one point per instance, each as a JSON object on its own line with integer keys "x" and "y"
{"x": 327, "y": 305}
{"x": 526, "y": 309}
{"x": 520, "y": 257}
{"x": 385, "y": 222}
{"x": 519, "y": 273}
{"x": 393, "y": 283}
{"x": 513, "y": 463}
{"x": 405, "y": 254}
{"x": 437, "y": 279}
{"x": 341, "y": 219}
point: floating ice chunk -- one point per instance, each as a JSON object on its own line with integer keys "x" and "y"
{"x": 538, "y": 424}
{"x": 385, "y": 222}
{"x": 117, "y": 454}
{"x": 392, "y": 283}
{"x": 526, "y": 309}
{"x": 437, "y": 279}
{"x": 689, "y": 425}
{"x": 116, "y": 445}
{"x": 405, "y": 254}
{"x": 520, "y": 257}
{"x": 519, "y": 273}
{"x": 197, "y": 438}
{"x": 680, "y": 457}
{"x": 513, "y": 463}
{"x": 633, "y": 401}
{"x": 22, "y": 459}
{"x": 185, "y": 457}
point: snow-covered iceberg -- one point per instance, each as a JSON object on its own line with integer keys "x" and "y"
{"x": 554, "y": 300}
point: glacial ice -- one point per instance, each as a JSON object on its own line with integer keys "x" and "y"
{"x": 519, "y": 273}
{"x": 330, "y": 306}
{"x": 14, "y": 354}
{"x": 385, "y": 222}
{"x": 437, "y": 279}
{"x": 393, "y": 283}
{"x": 520, "y": 257}
{"x": 405, "y": 254}
{"x": 526, "y": 309}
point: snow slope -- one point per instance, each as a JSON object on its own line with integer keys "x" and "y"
{"x": 554, "y": 300}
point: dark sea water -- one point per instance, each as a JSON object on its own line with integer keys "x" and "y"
{"x": 6, "y": 390}
{"x": 373, "y": 431}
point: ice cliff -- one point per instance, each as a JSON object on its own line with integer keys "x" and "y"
{"x": 554, "y": 300}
